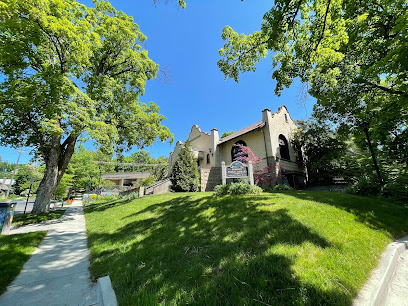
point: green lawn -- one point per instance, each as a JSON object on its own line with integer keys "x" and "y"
{"x": 10, "y": 197}
{"x": 37, "y": 218}
{"x": 302, "y": 248}
{"x": 15, "y": 250}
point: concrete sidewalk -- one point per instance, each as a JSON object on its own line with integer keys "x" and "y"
{"x": 397, "y": 291}
{"x": 388, "y": 283}
{"x": 58, "y": 271}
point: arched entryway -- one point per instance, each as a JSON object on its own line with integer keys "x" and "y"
{"x": 283, "y": 147}
{"x": 236, "y": 151}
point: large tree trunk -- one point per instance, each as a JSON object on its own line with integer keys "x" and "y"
{"x": 55, "y": 165}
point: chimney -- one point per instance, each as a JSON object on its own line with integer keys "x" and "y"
{"x": 214, "y": 140}
{"x": 266, "y": 113}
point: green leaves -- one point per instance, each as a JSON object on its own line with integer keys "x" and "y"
{"x": 327, "y": 43}
{"x": 184, "y": 174}
{"x": 68, "y": 69}
{"x": 241, "y": 52}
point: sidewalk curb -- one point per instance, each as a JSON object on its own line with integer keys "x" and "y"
{"x": 105, "y": 293}
{"x": 374, "y": 291}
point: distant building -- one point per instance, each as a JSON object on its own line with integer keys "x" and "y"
{"x": 125, "y": 178}
{"x": 270, "y": 139}
{"x": 5, "y": 182}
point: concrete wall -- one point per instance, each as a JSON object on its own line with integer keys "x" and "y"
{"x": 160, "y": 187}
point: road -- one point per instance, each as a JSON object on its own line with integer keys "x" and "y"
{"x": 19, "y": 208}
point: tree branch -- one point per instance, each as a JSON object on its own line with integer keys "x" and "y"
{"x": 248, "y": 51}
{"x": 50, "y": 37}
{"x": 324, "y": 24}
{"x": 294, "y": 17}
{"x": 387, "y": 89}
{"x": 66, "y": 150}
{"x": 39, "y": 135}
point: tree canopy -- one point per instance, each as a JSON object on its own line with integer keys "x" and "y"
{"x": 327, "y": 43}
{"x": 353, "y": 55}
{"x": 69, "y": 71}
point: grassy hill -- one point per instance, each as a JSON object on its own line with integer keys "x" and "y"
{"x": 302, "y": 248}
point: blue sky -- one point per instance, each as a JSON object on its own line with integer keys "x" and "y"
{"x": 186, "y": 42}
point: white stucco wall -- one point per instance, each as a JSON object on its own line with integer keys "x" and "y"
{"x": 202, "y": 142}
{"x": 254, "y": 140}
{"x": 277, "y": 125}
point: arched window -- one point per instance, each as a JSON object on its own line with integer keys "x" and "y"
{"x": 283, "y": 147}
{"x": 208, "y": 159}
{"x": 236, "y": 150}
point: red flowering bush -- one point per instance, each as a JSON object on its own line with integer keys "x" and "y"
{"x": 266, "y": 176}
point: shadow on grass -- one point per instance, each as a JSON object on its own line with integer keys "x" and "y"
{"x": 15, "y": 250}
{"x": 102, "y": 205}
{"x": 376, "y": 213}
{"x": 208, "y": 251}
{"x": 27, "y": 219}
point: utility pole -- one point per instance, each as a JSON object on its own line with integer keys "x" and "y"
{"x": 14, "y": 172}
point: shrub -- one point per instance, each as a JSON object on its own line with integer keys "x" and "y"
{"x": 93, "y": 197}
{"x": 237, "y": 189}
{"x": 364, "y": 187}
{"x": 130, "y": 196}
{"x": 147, "y": 181}
{"x": 397, "y": 188}
{"x": 282, "y": 187}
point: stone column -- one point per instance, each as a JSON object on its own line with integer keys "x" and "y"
{"x": 251, "y": 172}
{"x": 224, "y": 173}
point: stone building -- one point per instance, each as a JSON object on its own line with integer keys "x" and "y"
{"x": 270, "y": 140}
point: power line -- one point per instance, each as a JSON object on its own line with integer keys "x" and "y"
{"x": 125, "y": 164}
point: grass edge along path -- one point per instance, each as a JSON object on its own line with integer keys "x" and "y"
{"x": 301, "y": 248}
{"x": 15, "y": 250}
{"x": 27, "y": 219}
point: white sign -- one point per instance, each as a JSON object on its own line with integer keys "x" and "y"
{"x": 237, "y": 170}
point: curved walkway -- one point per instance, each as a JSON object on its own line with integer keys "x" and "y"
{"x": 58, "y": 271}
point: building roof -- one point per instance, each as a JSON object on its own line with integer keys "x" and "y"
{"x": 7, "y": 182}
{"x": 248, "y": 129}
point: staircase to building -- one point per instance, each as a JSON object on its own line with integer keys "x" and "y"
{"x": 159, "y": 187}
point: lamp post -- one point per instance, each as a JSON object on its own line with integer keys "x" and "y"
{"x": 28, "y": 195}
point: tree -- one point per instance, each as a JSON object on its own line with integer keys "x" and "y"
{"x": 23, "y": 177}
{"x": 69, "y": 71}
{"x": 160, "y": 170}
{"x": 5, "y": 168}
{"x": 61, "y": 190}
{"x": 225, "y": 134}
{"x": 349, "y": 52}
{"x": 184, "y": 174}
{"x": 140, "y": 157}
{"x": 81, "y": 167}
{"x": 326, "y": 153}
